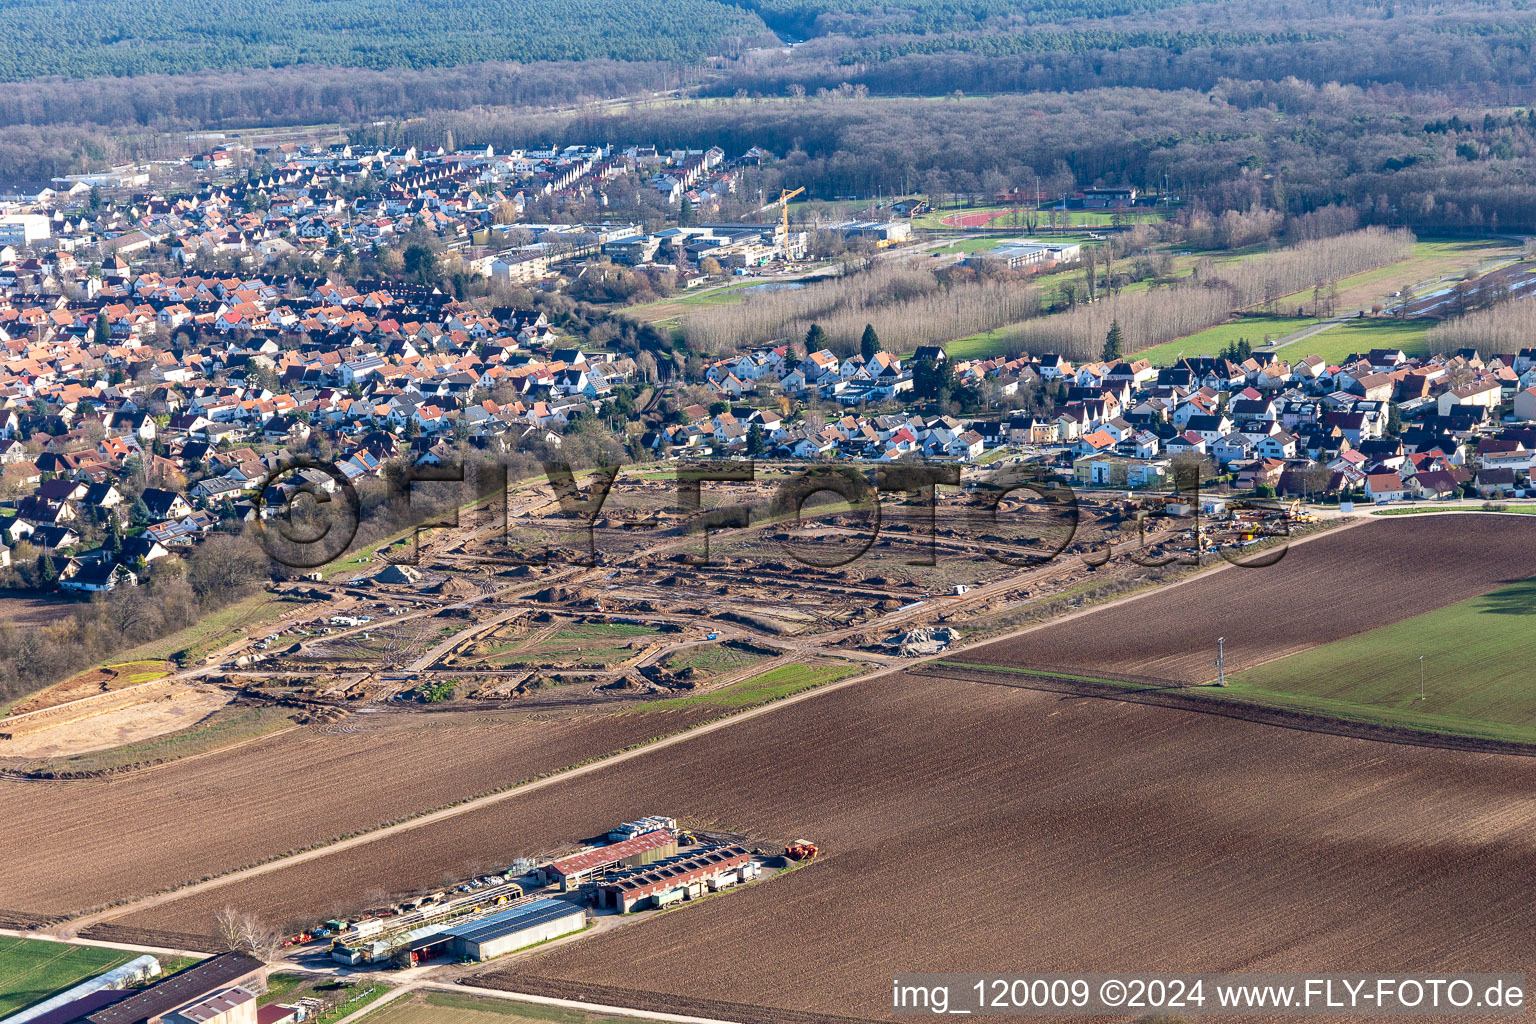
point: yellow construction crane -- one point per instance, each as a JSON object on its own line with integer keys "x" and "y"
{"x": 783, "y": 202}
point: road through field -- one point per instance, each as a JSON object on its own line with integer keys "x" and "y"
{"x": 1019, "y": 830}
{"x": 74, "y": 926}
{"x": 133, "y": 906}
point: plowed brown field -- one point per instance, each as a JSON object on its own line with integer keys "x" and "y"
{"x": 1327, "y": 588}
{"x": 70, "y": 846}
{"x": 1014, "y": 830}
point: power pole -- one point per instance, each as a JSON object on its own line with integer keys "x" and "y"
{"x": 1221, "y": 668}
{"x": 1421, "y": 677}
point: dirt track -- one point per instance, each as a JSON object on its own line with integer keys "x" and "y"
{"x": 1328, "y": 588}
{"x": 72, "y": 846}
{"x": 1022, "y": 830}
{"x": 1017, "y": 830}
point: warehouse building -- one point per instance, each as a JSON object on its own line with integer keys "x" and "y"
{"x": 187, "y": 988}
{"x": 571, "y": 871}
{"x": 689, "y": 876}
{"x": 1028, "y": 253}
{"x": 514, "y": 929}
{"x": 231, "y": 1006}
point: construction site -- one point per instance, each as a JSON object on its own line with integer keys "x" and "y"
{"x": 644, "y": 591}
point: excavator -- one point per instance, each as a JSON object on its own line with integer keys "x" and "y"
{"x": 1296, "y": 514}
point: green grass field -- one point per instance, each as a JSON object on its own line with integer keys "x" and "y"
{"x": 454, "y": 1008}
{"x": 1065, "y": 218}
{"x": 1477, "y": 681}
{"x": 772, "y": 685}
{"x": 32, "y": 970}
{"x": 715, "y": 659}
{"x": 603, "y": 631}
{"x": 1337, "y": 343}
{"x": 1256, "y": 330}
{"x": 977, "y": 346}
{"x": 211, "y": 632}
{"x": 1519, "y": 510}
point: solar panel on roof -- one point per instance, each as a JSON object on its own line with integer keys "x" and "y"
{"x": 527, "y": 916}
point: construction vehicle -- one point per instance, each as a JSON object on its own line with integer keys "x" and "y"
{"x": 1296, "y": 514}
{"x": 783, "y": 202}
{"x": 800, "y": 849}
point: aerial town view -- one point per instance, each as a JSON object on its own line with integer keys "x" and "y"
{"x": 766, "y": 511}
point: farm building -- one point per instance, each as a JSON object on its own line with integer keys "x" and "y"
{"x": 571, "y": 871}
{"x": 231, "y": 1006}
{"x": 514, "y": 929}
{"x": 186, "y": 989}
{"x": 685, "y": 877}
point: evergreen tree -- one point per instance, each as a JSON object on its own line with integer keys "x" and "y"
{"x": 869, "y": 344}
{"x": 114, "y": 541}
{"x": 815, "y": 339}
{"x": 755, "y": 442}
{"x": 933, "y": 379}
{"x": 1112, "y": 342}
{"x": 420, "y": 262}
{"x": 103, "y": 330}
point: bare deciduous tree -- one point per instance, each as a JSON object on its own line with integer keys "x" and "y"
{"x": 244, "y": 932}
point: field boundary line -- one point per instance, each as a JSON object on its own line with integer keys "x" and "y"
{"x": 1200, "y": 573}
{"x": 570, "y": 1004}
{"x": 1202, "y": 699}
{"x": 131, "y": 947}
{"x": 74, "y": 925}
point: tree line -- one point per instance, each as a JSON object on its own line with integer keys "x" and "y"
{"x": 1288, "y": 146}
{"x": 906, "y": 306}
{"x": 1506, "y": 327}
{"x": 1208, "y": 297}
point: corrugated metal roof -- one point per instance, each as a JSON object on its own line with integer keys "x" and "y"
{"x": 179, "y": 988}
{"x": 527, "y": 916}
{"x": 680, "y": 870}
{"x": 217, "y": 1004}
{"x": 612, "y": 854}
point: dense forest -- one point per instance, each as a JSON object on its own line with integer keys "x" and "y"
{"x": 1414, "y": 159}
{"x": 92, "y": 38}
{"x": 1187, "y": 45}
{"x": 922, "y": 47}
{"x": 1402, "y": 113}
{"x": 806, "y": 18}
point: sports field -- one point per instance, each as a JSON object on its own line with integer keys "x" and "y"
{"x": 1476, "y": 679}
{"x": 32, "y": 970}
